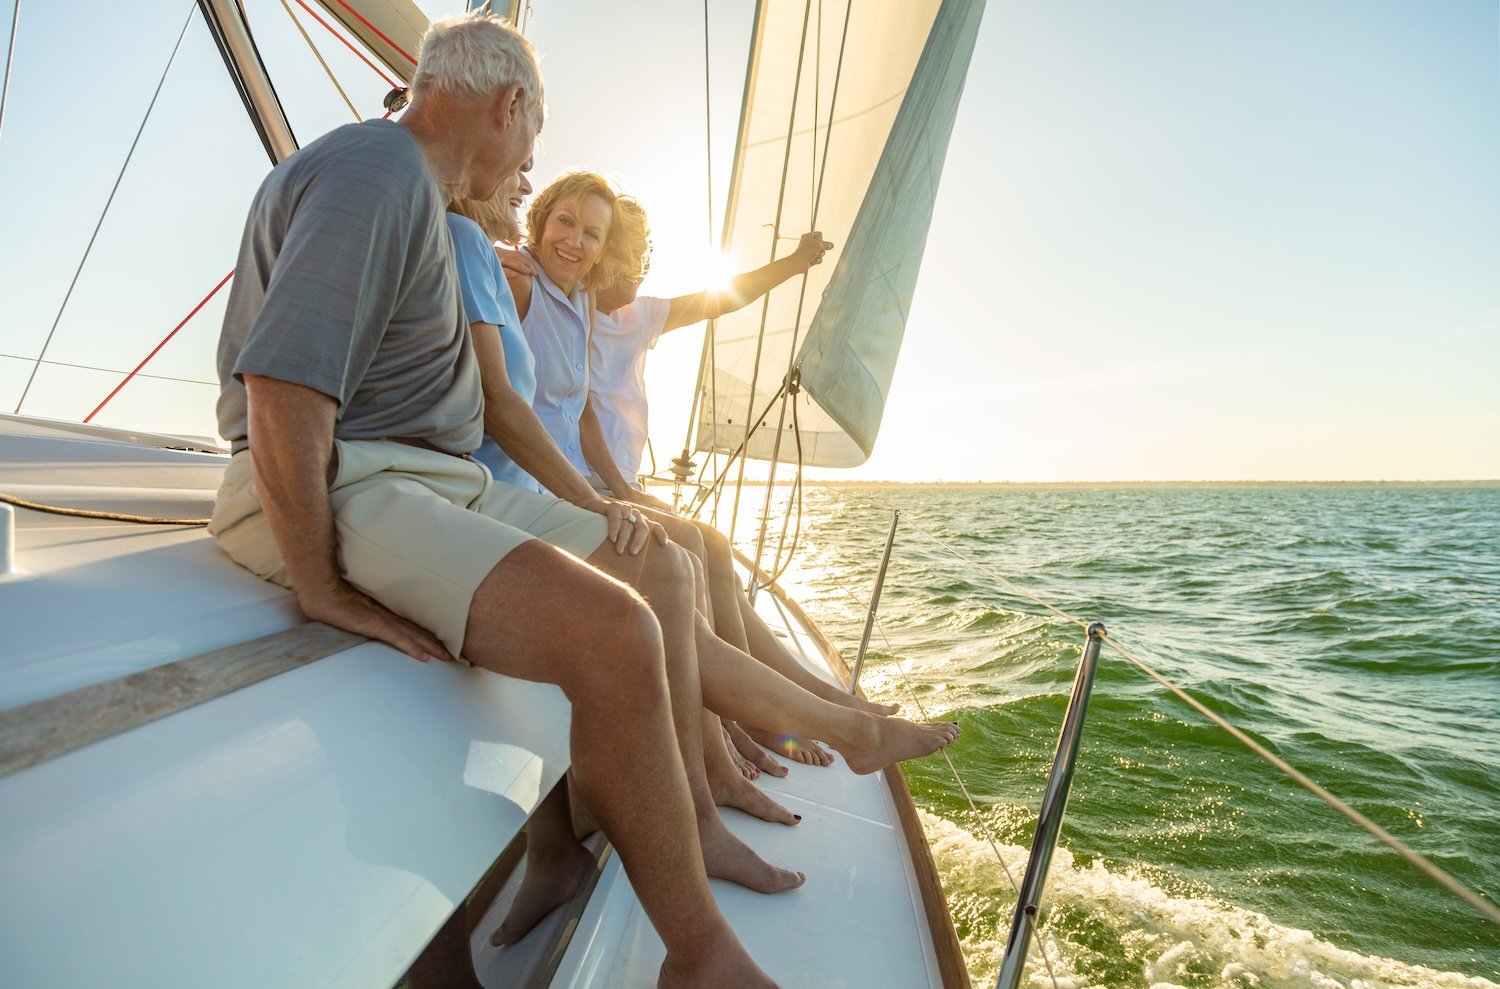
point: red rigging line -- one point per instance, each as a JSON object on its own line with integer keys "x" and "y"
{"x": 347, "y": 44}
{"x": 157, "y": 349}
{"x": 378, "y": 33}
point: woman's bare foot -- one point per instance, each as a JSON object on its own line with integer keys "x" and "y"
{"x": 804, "y": 750}
{"x": 546, "y": 886}
{"x": 878, "y": 742}
{"x": 734, "y": 791}
{"x": 745, "y": 746}
{"x": 746, "y": 768}
{"x": 726, "y": 857}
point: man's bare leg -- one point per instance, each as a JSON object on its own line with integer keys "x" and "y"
{"x": 539, "y": 615}
{"x": 664, "y": 575}
{"x": 739, "y": 687}
{"x": 556, "y": 867}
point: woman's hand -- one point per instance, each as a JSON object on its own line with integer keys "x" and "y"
{"x": 811, "y": 248}
{"x": 515, "y": 264}
{"x": 628, "y": 528}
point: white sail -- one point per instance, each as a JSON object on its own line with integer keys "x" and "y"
{"x": 848, "y": 111}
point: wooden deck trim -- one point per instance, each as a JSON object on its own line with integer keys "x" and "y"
{"x": 950, "y": 957}
{"x": 34, "y": 733}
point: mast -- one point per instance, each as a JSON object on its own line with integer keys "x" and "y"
{"x": 226, "y": 21}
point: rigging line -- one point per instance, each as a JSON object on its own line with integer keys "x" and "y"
{"x": 319, "y": 56}
{"x": 838, "y": 75}
{"x": 111, "y": 370}
{"x": 378, "y": 33}
{"x": 817, "y": 195}
{"x": 349, "y": 45}
{"x": 157, "y": 349}
{"x": 739, "y": 450}
{"x": 94, "y": 236}
{"x": 765, "y": 308}
{"x": 708, "y": 154}
{"x": 1413, "y": 858}
{"x": 10, "y": 58}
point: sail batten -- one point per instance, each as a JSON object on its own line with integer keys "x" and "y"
{"x": 868, "y": 179}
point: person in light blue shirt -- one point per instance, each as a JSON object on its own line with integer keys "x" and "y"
{"x": 491, "y": 309}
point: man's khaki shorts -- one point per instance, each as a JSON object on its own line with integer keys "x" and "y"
{"x": 417, "y": 530}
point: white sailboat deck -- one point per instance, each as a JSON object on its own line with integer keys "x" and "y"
{"x": 317, "y": 828}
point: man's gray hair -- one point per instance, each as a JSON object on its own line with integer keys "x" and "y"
{"x": 478, "y": 55}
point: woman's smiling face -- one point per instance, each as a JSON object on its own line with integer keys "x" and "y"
{"x": 573, "y": 239}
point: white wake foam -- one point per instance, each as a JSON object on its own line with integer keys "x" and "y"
{"x": 1121, "y": 921}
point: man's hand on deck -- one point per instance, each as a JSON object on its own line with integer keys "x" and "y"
{"x": 344, "y": 606}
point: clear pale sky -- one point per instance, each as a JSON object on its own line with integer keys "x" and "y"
{"x": 1174, "y": 240}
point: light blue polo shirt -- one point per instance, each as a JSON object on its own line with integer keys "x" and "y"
{"x": 487, "y": 299}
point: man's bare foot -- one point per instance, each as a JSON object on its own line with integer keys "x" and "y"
{"x": 804, "y": 750}
{"x": 736, "y": 792}
{"x": 745, "y": 746}
{"x": 882, "y": 741}
{"x": 546, "y": 886}
{"x": 726, "y": 968}
{"x": 746, "y": 768}
{"x": 726, "y": 857}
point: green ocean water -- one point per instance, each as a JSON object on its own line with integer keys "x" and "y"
{"x": 1355, "y": 630}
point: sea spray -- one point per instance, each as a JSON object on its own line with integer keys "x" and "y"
{"x": 1108, "y": 927}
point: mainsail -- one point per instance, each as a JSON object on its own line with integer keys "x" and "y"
{"x": 847, "y": 115}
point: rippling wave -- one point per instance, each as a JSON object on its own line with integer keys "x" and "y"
{"x": 1355, "y": 631}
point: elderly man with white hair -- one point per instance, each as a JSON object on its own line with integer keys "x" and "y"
{"x": 352, "y": 399}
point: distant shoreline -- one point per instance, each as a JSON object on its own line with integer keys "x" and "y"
{"x": 1493, "y": 483}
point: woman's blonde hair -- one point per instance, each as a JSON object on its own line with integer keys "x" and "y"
{"x": 629, "y": 251}
{"x": 492, "y": 215}
{"x": 574, "y": 187}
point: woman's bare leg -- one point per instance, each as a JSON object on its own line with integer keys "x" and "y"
{"x": 737, "y": 686}
{"x": 665, "y": 576}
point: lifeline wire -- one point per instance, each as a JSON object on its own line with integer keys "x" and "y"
{"x": 10, "y": 57}
{"x": 118, "y": 178}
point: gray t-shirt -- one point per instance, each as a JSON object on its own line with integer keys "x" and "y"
{"x": 346, "y": 284}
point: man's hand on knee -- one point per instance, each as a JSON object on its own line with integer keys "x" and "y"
{"x": 344, "y": 606}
